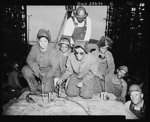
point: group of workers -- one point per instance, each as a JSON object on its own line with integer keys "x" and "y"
{"x": 85, "y": 73}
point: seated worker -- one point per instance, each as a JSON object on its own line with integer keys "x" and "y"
{"x": 136, "y": 104}
{"x": 81, "y": 72}
{"x": 41, "y": 66}
{"x": 117, "y": 85}
{"x": 13, "y": 77}
{"x": 105, "y": 59}
{"x": 78, "y": 26}
{"x": 63, "y": 53}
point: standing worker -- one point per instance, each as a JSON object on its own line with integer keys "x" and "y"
{"x": 78, "y": 27}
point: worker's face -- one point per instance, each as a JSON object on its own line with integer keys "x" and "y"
{"x": 80, "y": 19}
{"x": 121, "y": 74}
{"x": 64, "y": 48}
{"x": 136, "y": 97}
{"x": 103, "y": 49}
{"x": 43, "y": 42}
{"x": 79, "y": 53}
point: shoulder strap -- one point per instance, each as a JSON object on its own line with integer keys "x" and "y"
{"x": 75, "y": 24}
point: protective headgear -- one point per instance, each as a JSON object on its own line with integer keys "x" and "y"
{"x": 81, "y": 44}
{"x": 135, "y": 87}
{"x": 64, "y": 41}
{"x": 44, "y": 33}
{"x": 80, "y": 12}
{"x": 105, "y": 41}
{"x": 124, "y": 68}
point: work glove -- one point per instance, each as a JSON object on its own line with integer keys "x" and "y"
{"x": 121, "y": 99}
{"x": 59, "y": 82}
{"x": 101, "y": 77}
{"x": 80, "y": 84}
{"x": 31, "y": 78}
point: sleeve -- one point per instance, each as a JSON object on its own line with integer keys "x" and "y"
{"x": 88, "y": 31}
{"x": 69, "y": 27}
{"x": 54, "y": 64}
{"x": 89, "y": 65}
{"x": 111, "y": 64}
{"x": 31, "y": 60}
{"x": 69, "y": 69}
{"x": 84, "y": 69}
{"x": 124, "y": 90}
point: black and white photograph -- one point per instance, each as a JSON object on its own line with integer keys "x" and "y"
{"x": 80, "y": 59}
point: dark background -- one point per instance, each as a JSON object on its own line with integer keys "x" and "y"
{"x": 125, "y": 25}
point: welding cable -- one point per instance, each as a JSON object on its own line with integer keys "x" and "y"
{"x": 66, "y": 98}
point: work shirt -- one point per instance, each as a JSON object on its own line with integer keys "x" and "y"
{"x": 106, "y": 65}
{"x": 119, "y": 86}
{"x": 62, "y": 59}
{"x": 36, "y": 60}
{"x": 70, "y": 26}
{"x": 86, "y": 67}
{"x": 140, "y": 114}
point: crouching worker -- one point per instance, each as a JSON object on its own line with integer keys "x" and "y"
{"x": 40, "y": 64}
{"x": 82, "y": 73}
{"x": 117, "y": 85}
{"x": 136, "y": 104}
{"x": 62, "y": 55}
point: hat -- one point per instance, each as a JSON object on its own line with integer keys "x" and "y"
{"x": 64, "y": 41}
{"x": 44, "y": 33}
{"x": 135, "y": 87}
{"x": 81, "y": 44}
{"x": 123, "y": 68}
{"x": 80, "y": 12}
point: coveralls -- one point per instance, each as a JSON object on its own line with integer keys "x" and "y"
{"x": 37, "y": 60}
{"x": 117, "y": 86}
{"x": 84, "y": 71}
{"x": 106, "y": 67}
{"x": 78, "y": 31}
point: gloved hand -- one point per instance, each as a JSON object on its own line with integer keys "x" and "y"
{"x": 80, "y": 84}
{"x": 101, "y": 77}
{"x": 31, "y": 78}
{"x": 121, "y": 99}
{"x": 59, "y": 82}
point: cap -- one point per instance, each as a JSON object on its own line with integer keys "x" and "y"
{"x": 82, "y": 44}
{"x": 135, "y": 87}
{"x": 44, "y": 33}
{"x": 125, "y": 68}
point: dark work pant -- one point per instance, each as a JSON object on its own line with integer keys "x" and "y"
{"x": 34, "y": 84}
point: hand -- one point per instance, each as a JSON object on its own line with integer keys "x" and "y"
{"x": 101, "y": 76}
{"x": 31, "y": 78}
{"x": 59, "y": 82}
{"x": 121, "y": 99}
{"x": 80, "y": 84}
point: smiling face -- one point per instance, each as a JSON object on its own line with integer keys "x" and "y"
{"x": 80, "y": 19}
{"x": 121, "y": 74}
{"x": 103, "y": 49}
{"x": 136, "y": 97}
{"x": 64, "y": 48}
{"x": 79, "y": 53}
{"x": 43, "y": 42}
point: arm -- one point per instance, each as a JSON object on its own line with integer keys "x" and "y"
{"x": 31, "y": 61}
{"x": 69, "y": 27}
{"x": 124, "y": 90}
{"x": 54, "y": 63}
{"x": 88, "y": 31}
{"x": 89, "y": 65}
{"x": 110, "y": 61}
{"x": 69, "y": 69}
